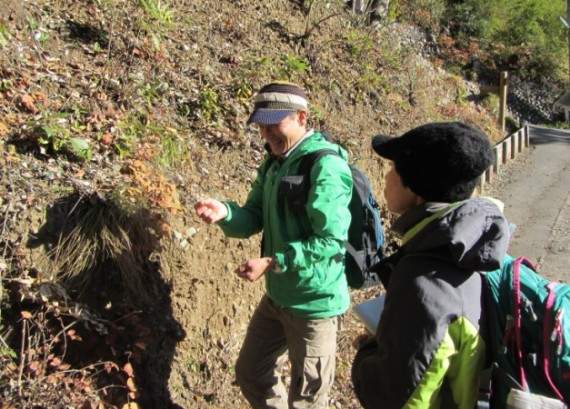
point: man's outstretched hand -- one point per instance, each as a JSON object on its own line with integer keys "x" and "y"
{"x": 252, "y": 269}
{"x": 211, "y": 210}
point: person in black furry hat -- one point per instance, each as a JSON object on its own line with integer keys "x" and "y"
{"x": 428, "y": 350}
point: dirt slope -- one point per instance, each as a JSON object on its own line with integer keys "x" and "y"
{"x": 115, "y": 119}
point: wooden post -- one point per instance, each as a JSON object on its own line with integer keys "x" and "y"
{"x": 503, "y": 99}
{"x": 507, "y": 150}
{"x": 489, "y": 174}
{"x": 514, "y": 146}
{"x": 498, "y": 151}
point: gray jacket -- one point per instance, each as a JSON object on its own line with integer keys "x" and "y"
{"x": 428, "y": 351}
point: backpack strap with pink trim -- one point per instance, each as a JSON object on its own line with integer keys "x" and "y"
{"x": 528, "y": 320}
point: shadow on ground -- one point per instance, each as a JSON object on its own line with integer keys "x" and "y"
{"x": 105, "y": 258}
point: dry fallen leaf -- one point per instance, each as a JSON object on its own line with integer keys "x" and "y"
{"x": 73, "y": 335}
{"x": 107, "y": 139}
{"x": 131, "y": 385}
{"x": 55, "y": 362}
{"x": 33, "y": 367}
{"x": 3, "y": 129}
{"x": 128, "y": 368}
{"x": 110, "y": 366}
{"x": 28, "y": 103}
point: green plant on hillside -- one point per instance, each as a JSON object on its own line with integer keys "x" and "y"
{"x": 491, "y": 104}
{"x": 32, "y": 24}
{"x": 317, "y": 113}
{"x": 255, "y": 67}
{"x": 4, "y": 32}
{"x": 39, "y": 34}
{"x": 462, "y": 92}
{"x": 97, "y": 47}
{"x": 153, "y": 90}
{"x": 370, "y": 82}
{"x": 155, "y": 28}
{"x": 207, "y": 107}
{"x": 137, "y": 136}
{"x": 242, "y": 89}
{"x": 50, "y": 130}
{"x": 6, "y": 355}
{"x": 512, "y": 125}
{"x": 193, "y": 365}
{"x": 394, "y": 12}
{"x": 358, "y": 43}
{"x": 53, "y": 132}
{"x": 5, "y": 85}
{"x": 172, "y": 149}
{"x": 391, "y": 57}
{"x": 81, "y": 148}
{"x": 334, "y": 87}
{"x": 252, "y": 63}
{"x": 130, "y": 130}
{"x": 158, "y": 11}
{"x": 209, "y": 102}
{"x": 293, "y": 67}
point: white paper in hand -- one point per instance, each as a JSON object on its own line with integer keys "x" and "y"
{"x": 369, "y": 312}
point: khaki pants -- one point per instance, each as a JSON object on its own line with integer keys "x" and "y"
{"x": 311, "y": 344}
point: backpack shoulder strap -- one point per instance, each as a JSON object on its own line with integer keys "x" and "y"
{"x": 495, "y": 378}
{"x": 489, "y": 320}
{"x": 304, "y": 170}
{"x": 308, "y": 160}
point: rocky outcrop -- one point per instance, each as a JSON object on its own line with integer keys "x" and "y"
{"x": 527, "y": 102}
{"x": 533, "y": 103}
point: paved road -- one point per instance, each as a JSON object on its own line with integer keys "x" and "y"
{"x": 537, "y": 200}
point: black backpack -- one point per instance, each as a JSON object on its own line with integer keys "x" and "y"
{"x": 365, "y": 242}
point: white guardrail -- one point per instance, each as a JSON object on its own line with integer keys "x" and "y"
{"x": 505, "y": 151}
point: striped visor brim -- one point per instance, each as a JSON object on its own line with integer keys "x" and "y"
{"x": 273, "y": 106}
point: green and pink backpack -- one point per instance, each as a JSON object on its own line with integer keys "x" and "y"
{"x": 529, "y": 330}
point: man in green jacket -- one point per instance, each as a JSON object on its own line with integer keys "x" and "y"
{"x": 303, "y": 257}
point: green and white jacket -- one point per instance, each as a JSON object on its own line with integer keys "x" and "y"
{"x": 310, "y": 281}
{"x": 428, "y": 351}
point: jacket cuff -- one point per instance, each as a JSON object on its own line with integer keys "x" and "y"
{"x": 280, "y": 266}
{"x": 228, "y": 217}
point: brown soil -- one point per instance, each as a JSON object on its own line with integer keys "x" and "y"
{"x": 159, "y": 321}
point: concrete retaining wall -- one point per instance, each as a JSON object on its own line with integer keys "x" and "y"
{"x": 505, "y": 151}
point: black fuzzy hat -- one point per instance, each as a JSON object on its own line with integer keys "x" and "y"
{"x": 440, "y": 162}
